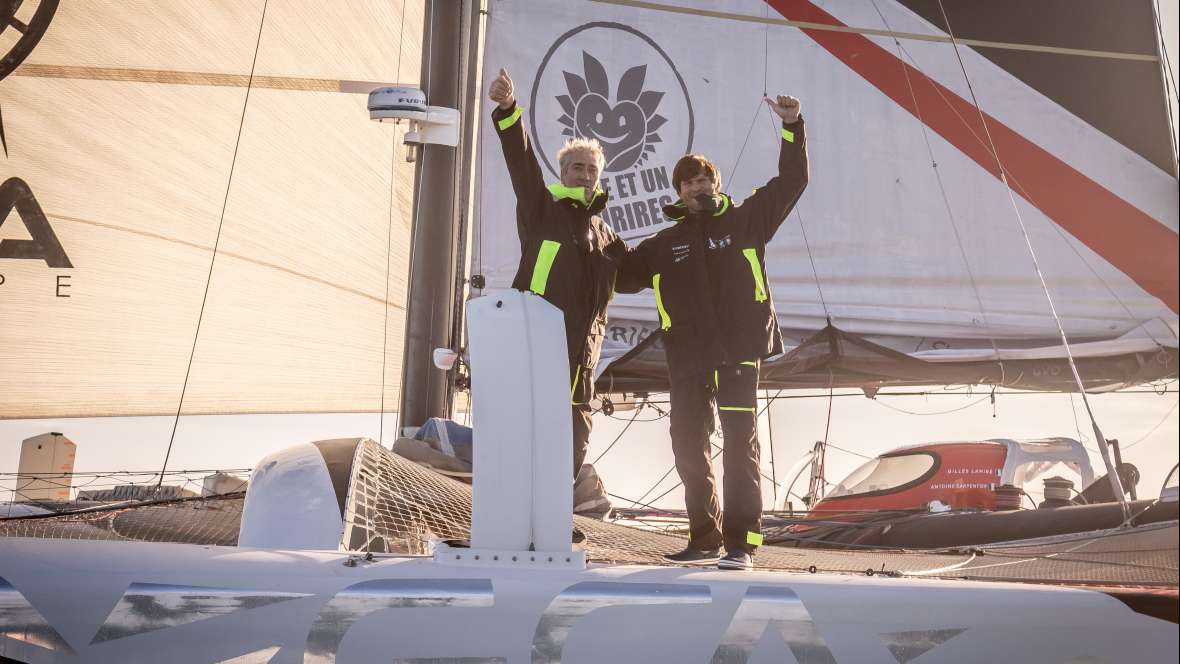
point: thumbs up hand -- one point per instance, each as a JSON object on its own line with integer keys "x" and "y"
{"x": 501, "y": 90}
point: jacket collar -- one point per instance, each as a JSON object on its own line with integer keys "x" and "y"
{"x": 577, "y": 197}
{"x": 678, "y": 211}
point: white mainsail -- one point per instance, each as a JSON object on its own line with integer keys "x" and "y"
{"x": 140, "y": 129}
{"x": 905, "y": 233}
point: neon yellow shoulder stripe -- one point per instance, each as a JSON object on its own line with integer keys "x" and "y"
{"x": 544, "y": 264}
{"x": 561, "y": 191}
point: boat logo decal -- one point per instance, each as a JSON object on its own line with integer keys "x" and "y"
{"x": 15, "y": 194}
{"x": 906, "y": 646}
{"x": 613, "y": 83}
{"x": 146, "y": 607}
{"x": 21, "y": 621}
{"x": 777, "y": 608}
{"x": 360, "y": 599}
{"x": 581, "y": 598}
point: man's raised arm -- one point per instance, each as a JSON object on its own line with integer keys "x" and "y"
{"x": 523, "y": 168}
{"x": 634, "y": 272}
{"x": 774, "y": 201}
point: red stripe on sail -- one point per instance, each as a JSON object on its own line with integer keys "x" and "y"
{"x": 1130, "y": 239}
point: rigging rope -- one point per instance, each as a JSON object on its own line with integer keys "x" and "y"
{"x": 1069, "y": 242}
{"x": 1115, "y": 482}
{"x": 814, "y": 491}
{"x": 1152, "y": 430}
{"x": 389, "y": 239}
{"x": 773, "y": 472}
{"x": 401, "y": 40}
{"x": 811, "y": 257}
{"x": 939, "y": 412}
{"x": 1169, "y": 78}
{"x": 742, "y": 151}
{"x": 638, "y": 409}
{"x": 216, "y": 243}
{"x": 388, "y": 252}
{"x": 847, "y": 451}
{"x": 942, "y": 191}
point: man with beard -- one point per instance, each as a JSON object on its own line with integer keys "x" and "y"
{"x": 709, "y": 277}
{"x": 568, "y": 254}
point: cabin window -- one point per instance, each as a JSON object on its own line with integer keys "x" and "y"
{"x": 884, "y": 474}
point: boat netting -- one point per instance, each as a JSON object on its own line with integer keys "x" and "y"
{"x": 398, "y": 507}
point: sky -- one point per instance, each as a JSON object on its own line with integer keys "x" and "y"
{"x": 1147, "y": 424}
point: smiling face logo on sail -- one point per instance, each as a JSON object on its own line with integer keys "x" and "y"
{"x": 626, "y": 129}
{"x": 610, "y": 82}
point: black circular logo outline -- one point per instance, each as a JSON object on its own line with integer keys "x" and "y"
{"x": 31, "y": 36}
{"x": 614, "y": 26}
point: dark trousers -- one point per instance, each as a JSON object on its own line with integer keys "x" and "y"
{"x": 734, "y": 389}
{"x": 581, "y": 392}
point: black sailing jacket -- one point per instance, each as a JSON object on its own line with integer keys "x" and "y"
{"x": 709, "y": 271}
{"x": 568, "y": 254}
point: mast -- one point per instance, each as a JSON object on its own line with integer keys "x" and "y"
{"x": 472, "y": 78}
{"x": 425, "y": 391}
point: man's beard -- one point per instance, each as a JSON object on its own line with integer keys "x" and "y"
{"x": 706, "y": 202}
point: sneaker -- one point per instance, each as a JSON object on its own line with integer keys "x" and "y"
{"x": 736, "y": 560}
{"x": 691, "y": 556}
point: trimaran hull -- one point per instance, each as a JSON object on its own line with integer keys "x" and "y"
{"x": 132, "y": 602}
{"x": 520, "y": 593}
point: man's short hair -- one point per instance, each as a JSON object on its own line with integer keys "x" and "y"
{"x": 580, "y": 144}
{"x": 692, "y": 165}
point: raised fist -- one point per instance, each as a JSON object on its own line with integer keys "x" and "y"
{"x": 501, "y": 90}
{"x": 785, "y": 107}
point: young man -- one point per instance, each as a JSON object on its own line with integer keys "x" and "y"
{"x": 708, "y": 273}
{"x": 568, "y": 254}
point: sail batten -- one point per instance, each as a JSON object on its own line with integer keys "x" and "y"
{"x": 174, "y": 77}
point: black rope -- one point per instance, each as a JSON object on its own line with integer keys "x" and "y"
{"x": 773, "y": 472}
{"x": 738, "y": 161}
{"x": 388, "y": 253}
{"x": 216, "y": 242}
{"x": 810, "y": 257}
{"x": 401, "y": 40}
{"x": 620, "y": 436}
{"x": 1169, "y": 78}
{"x": 942, "y": 191}
{"x": 1068, "y": 240}
{"x": 388, "y": 241}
